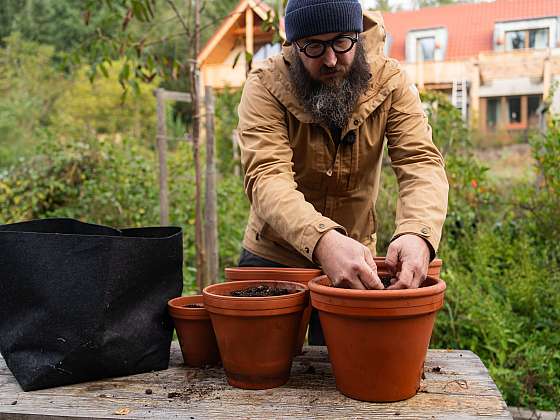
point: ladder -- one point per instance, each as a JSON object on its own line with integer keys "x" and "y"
{"x": 459, "y": 97}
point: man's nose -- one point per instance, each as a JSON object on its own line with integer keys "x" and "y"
{"x": 329, "y": 57}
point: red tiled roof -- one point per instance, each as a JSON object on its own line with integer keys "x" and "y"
{"x": 470, "y": 27}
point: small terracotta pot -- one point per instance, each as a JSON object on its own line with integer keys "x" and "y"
{"x": 434, "y": 269}
{"x": 298, "y": 275}
{"x": 256, "y": 335}
{"x": 195, "y": 332}
{"x": 377, "y": 339}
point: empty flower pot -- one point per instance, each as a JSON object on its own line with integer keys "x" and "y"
{"x": 377, "y": 339}
{"x": 194, "y": 330}
{"x": 298, "y": 275}
{"x": 256, "y": 335}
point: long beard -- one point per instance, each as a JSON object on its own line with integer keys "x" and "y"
{"x": 331, "y": 103}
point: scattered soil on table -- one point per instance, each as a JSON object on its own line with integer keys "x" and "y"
{"x": 14, "y": 402}
{"x": 260, "y": 291}
{"x": 199, "y": 391}
{"x": 194, "y": 305}
{"x": 149, "y": 391}
{"x": 174, "y": 394}
{"x": 436, "y": 369}
{"x": 310, "y": 369}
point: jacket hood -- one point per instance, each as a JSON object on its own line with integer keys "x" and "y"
{"x": 274, "y": 73}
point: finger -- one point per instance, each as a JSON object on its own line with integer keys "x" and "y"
{"x": 417, "y": 280}
{"x": 370, "y": 279}
{"x": 405, "y": 278}
{"x": 392, "y": 257}
{"x": 373, "y": 280}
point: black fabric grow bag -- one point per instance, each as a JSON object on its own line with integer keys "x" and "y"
{"x": 80, "y": 302}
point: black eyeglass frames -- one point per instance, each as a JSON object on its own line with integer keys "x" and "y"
{"x": 340, "y": 45}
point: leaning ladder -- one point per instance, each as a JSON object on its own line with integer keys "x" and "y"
{"x": 459, "y": 97}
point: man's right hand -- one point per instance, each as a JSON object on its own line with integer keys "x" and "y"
{"x": 348, "y": 263}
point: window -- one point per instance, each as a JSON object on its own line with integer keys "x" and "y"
{"x": 514, "y": 109}
{"x": 530, "y": 38}
{"x": 426, "y": 45}
{"x": 267, "y": 50}
{"x": 425, "y": 48}
{"x": 492, "y": 113}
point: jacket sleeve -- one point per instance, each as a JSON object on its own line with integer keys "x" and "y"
{"x": 269, "y": 182}
{"x": 419, "y": 167}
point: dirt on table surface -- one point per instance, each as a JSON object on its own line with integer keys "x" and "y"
{"x": 261, "y": 291}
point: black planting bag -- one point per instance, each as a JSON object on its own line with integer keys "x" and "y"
{"x": 80, "y": 302}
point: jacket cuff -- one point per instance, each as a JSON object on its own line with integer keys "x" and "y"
{"x": 313, "y": 232}
{"x": 430, "y": 236}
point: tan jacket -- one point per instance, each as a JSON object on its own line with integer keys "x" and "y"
{"x": 300, "y": 184}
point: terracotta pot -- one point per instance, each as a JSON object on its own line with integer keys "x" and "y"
{"x": 298, "y": 275}
{"x": 195, "y": 332}
{"x": 377, "y": 339}
{"x": 256, "y": 335}
{"x": 434, "y": 269}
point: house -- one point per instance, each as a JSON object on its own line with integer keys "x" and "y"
{"x": 497, "y": 61}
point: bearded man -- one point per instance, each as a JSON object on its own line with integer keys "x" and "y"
{"x": 312, "y": 127}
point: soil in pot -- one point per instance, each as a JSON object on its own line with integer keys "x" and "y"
{"x": 194, "y": 330}
{"x": 377, "y": 339}
{"x": 293, "y": 274}
{"x": 256, "y": 335}
{"x": 260, "y": 291}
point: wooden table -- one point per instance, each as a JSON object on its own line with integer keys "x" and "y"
{"x": 456, "y": 386}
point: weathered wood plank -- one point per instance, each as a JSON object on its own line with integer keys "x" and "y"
{"x": 457, "y": 386}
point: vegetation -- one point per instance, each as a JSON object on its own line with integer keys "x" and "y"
{"x": 72, "y": 148}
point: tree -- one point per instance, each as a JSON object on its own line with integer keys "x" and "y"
{"x": 147, "y": 45}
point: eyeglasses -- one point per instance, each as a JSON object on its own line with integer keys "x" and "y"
{"x": 340, "y": 45}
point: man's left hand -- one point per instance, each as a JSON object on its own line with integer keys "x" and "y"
{"x": 414, "y": 255}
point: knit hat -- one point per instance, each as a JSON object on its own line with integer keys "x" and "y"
{"x": 313, "y": 17}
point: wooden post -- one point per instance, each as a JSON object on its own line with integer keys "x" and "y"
{"x": 195, "y": 86}
{"x": 211, "y": 231}
{"x": 162, "y": 155}
{"x": 249, "y": 36}
{"x": 235, "y": 147}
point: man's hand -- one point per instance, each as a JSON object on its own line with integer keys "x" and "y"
{"x": 348, "y": 263}
{"x": 414, "y": 254}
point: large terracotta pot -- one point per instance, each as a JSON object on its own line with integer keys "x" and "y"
{"x": 194, "y": 330}
{"x": 256, "y": 335}
{"x": 298, "y": 275}
{"x": 434, "y": 269}
{"x": 377, "y": 339}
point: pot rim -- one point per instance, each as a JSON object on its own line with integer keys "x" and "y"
{"x": 316, "y": 287}
{"x": 208, "y": 290}
{"x": 177, "y": 309}
{"x": 213, "y": 300}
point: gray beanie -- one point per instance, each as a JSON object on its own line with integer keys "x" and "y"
{"x": 313, "y": 17}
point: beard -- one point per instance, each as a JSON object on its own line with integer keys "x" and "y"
{"x": 333, "y": 102}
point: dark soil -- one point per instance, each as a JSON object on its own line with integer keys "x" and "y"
{"x": 174, "y": 395}
{"x": 437, "y": 369}
{"x": 260, "y": 291}
{"x": 194, "y": 305}
{"x": 386, "y": 280}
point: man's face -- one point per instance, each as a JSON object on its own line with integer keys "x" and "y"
{"x": 331, "y": 66}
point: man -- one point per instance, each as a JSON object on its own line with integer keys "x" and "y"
{"x": 312, "y": 123}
